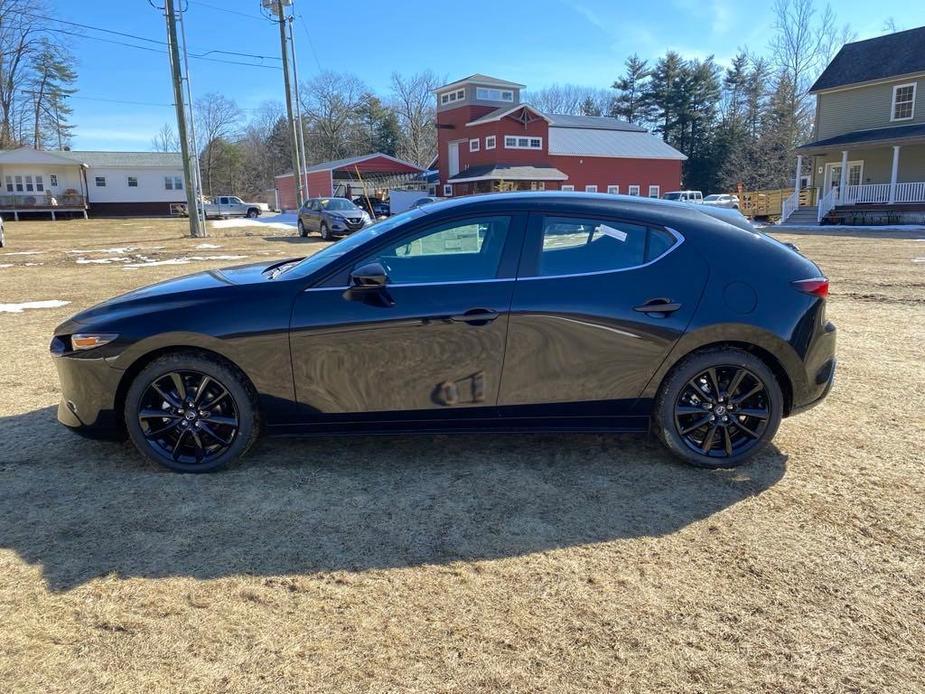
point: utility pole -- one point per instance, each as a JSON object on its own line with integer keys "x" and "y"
{"x": 297, "y": 173}
{"x": 303, "y": 157}
{"x": 194, "y": 154}
{"x": 196, "y": 231}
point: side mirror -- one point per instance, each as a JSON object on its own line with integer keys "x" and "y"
{"x": 370, "y": 275}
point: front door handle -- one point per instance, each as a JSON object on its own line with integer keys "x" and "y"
{"x": 659, "y": 307}
{"x": 475, "y": 316}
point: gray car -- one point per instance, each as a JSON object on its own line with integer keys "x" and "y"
{"x": 331, "y": 217}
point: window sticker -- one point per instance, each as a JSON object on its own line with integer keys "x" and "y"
{"x": 610, "y": 231}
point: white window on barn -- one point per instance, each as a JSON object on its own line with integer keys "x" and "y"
{"x": 447, "y": 190}
{"x": 486, "y": 94}
{"x": 474, "y": 144}
{"x": 653, "y": 191}
{"x": 490, "y": 142}
{"x": 521, "y": 142}
{"x": 568, "y": 188}
{"x": 613, "y": 190}
{"x": 590, "y": 189}
{"x": 100, "y": 181}
{"x": 634, "y": 190}
{"x": 132, "y": 181}
{"x": 53, "y": 180}
{"x": 903, "y": 102}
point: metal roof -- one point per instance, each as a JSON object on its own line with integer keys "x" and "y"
{"x": 396, "y": 165}
{"x": 508, "y": 172}
{"x": 610, "y": 143}
{"x": 483, "y": 80}
{"x": 878, "y": 136}
{"x": 592, "y": 122}
{"x": 893, "y": 55}
{"x": 166, "y": 160}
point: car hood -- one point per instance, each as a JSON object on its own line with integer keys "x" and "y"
{"x": 346, "y": 214}
{"x": 180, "y": 291}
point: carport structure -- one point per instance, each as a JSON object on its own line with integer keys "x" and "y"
{"x": 349, "y": 177}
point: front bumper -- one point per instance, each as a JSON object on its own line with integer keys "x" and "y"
{"x": 88, "y": 396}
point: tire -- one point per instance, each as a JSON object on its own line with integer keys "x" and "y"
{"x": 325, "y": 232}
{"x": 302, "y": 232}
{"x": 688, "y": 398}
{"x": 202, "y": 444}
{"x": 253, "y": 213}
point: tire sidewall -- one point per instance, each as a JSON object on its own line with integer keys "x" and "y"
{"x": 301, "y": 227}
{"x": 233, "y": 381}
{"x": 325, "y": 233}
{"x": 691, "y": 366}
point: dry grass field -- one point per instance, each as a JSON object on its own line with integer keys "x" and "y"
{"x": 541, "y": 563}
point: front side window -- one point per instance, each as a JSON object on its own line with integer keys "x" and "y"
{"x": 458, "y": 251}
{"x": 132, "y": 181}
{"x": 100, "y": 181}
{"x": 903, "y": 102}
{"x": 578, "y": 246}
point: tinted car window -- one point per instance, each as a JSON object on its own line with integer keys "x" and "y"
{"x": 575, "y": 246}
{"x": 452, "y": 252}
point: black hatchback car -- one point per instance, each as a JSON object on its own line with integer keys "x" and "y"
{"x": 502, "y": 313}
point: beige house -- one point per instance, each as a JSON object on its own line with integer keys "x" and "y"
{"x": 868, "y": 147}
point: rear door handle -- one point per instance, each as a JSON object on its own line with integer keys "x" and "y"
{"x": 475, "y": 316}
{"x": 658, "y": 306}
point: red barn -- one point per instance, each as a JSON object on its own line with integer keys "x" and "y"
{"x": 489, "y": 141}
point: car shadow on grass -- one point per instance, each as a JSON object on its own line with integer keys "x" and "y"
{"x": 81, "y": 509}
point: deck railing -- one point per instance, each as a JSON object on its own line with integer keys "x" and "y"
{"x": 790, "y": 205}
{"x": 39, "y": 201}
{"x": 880, "y": 193}
{"x": 826, "y": 203}
{"x": 910, "y": 192}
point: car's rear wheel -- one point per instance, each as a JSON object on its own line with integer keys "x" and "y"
{"x": 302, "y": 232}
{"x": 253, "y": 213}
{"x": 191, "y": 412}
{"x": 719, "y": 407}
{"x": 325, "y": 232}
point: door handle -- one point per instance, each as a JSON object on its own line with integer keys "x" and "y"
{"x": 475, "y": 316}
{"x": 660, "y": 307}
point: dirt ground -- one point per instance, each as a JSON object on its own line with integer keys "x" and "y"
{"x": 540, "y": 563}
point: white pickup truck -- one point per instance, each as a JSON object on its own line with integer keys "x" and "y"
{"x": 232, "y": 206}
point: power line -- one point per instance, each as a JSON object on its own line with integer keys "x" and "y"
{"x": 109, "y": 101}
{"x": 311, "y": 45}
{"x": 225, "y": 9}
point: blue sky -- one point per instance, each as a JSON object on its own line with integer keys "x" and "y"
{"x": 538, "y": 43}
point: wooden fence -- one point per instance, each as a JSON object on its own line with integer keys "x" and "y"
{"x": 768, "y": 203}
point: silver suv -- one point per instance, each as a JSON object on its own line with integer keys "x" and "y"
{"x": 331, "y": 217}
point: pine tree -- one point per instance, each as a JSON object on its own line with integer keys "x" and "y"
{"x": 632, "y": 103}
{"x": 589, "y": 107}
{"x": 50, "y": 86}
{"x": 664, "y": 93}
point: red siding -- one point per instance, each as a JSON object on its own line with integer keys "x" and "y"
{"x": 319, "y": 184}
{"x": 606, "y": 171}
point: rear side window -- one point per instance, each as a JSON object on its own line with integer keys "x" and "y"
{"x": 575, "y": 246}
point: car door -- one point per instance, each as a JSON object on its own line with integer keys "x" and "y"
{"x": 236, "y": 206}
{"x": 430, "y": 342}
{"x": 597, "y": 306}
{"x": 313, "y": 216}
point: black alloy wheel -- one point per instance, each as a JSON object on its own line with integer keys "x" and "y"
{"x": 719, "y": 407}
{"x": 190, "y": 412}
{"x": 302, "y": 232}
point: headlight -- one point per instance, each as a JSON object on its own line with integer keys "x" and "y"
{"x": 84, "y": 341}
{"x": 365, "y": 217}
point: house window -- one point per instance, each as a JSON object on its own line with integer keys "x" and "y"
{"x": 568, "y": 188}
{"x": 590, "y": 189}
{"x": 447, "y": 190}
{"x": 29, "y": 187}
{"x": 518, "y": 142}
{"x": 173, "y": 183}
{"x": 53, "y": 180}
{"x": 450, "y": 97}
{"x": 132, "y": 181}
{"x": 634, "y": 190}
{"x": 474, "y": 145}
{"x": 485, "y": 94}
{"x": 19, "y": 187}
{"x": 100, "y": 181}
{"x": 39, "y": 184}
{"x": 490, "y": 142}
{"x": 903, "y": 102}
{"x": 653, "y": 191}
{"x": 9, "y": 184}
{"x": 613, "y": 190}
{"x": 538, "y": 185}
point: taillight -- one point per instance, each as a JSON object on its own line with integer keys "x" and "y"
{"x": 817, "y": 286}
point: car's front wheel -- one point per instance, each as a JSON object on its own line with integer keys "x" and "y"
{"x": 325, "y": 232}
{"x": 718, "y": 407}
{"x": 302, "y": 232}
{"x": 253, "y": 213}
{"x": 191, "y": 412}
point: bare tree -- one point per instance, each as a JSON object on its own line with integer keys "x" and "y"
{"x": 165, "y": 140}
{"x": 414, "y": 102}
{"x": 330, "y": 103}
{"x": 19, "y": 42}
{"x": 570, "y": 99}
{"x": 218, "y": 119}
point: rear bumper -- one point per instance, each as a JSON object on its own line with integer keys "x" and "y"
{"x": 829, "y": 375}
{"x": 819, "y": 370}
{"x": 88, "y": 396}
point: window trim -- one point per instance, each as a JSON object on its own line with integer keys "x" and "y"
{"x": 592, "y": 188}
{"x": 526, "y": 137}
{"x": 629, "y": 190}
{"x": 674, "y": 232}
{"x": 897, "y": 87}
{"x": 447, "y": 190}
{"x": 96, "y": 181}
{"x": 52, "y": 180}
{"x": 475, "y": 144}
{"x": 484, "y": 94}
{"x": 453, "y": 96}
{"x": 128, "y": 181}
{"x": 658, "y": 191}
{"x": 613, "y": 189}
{"x": 491, "y": 141}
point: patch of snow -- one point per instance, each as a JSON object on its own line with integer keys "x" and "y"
{"x": 23, "y": 253}
{"x": 6, "y": 265}
{"x": 286, "y": 221}
{"x": 102, "y": 261}
{"x": 208, "y": 245}
{"x": 120, "y": 251}
{"x": 148, "y": 262}
{"x": 919, "y": 260}
{"x": 32, "y": 264}
{"x": 19, "y": 308}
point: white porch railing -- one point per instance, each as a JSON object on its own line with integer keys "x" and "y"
{"x": 880, "y": 193}
{"x": 789, "y": 205}
{"x": 910, "y": 192}
{"x": 826, "y": 203}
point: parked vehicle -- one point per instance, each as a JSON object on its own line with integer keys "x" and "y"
{"x": 375, "y": 207}
{"x": 694, "y": 196}
{"x": 508, "y": 312}
{"x": 232, "y": 206}
{"x": 331, "y": 217}
{"x": 722, "y": 200}
{"x": 429, "y": 200}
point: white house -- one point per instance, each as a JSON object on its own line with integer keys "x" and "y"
{"x": 101, "y": 183}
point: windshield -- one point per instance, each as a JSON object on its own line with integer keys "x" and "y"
{"x": 336, "y": 250}
{"x": 672, "y": 196}
{"x": 337, "y": 204}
